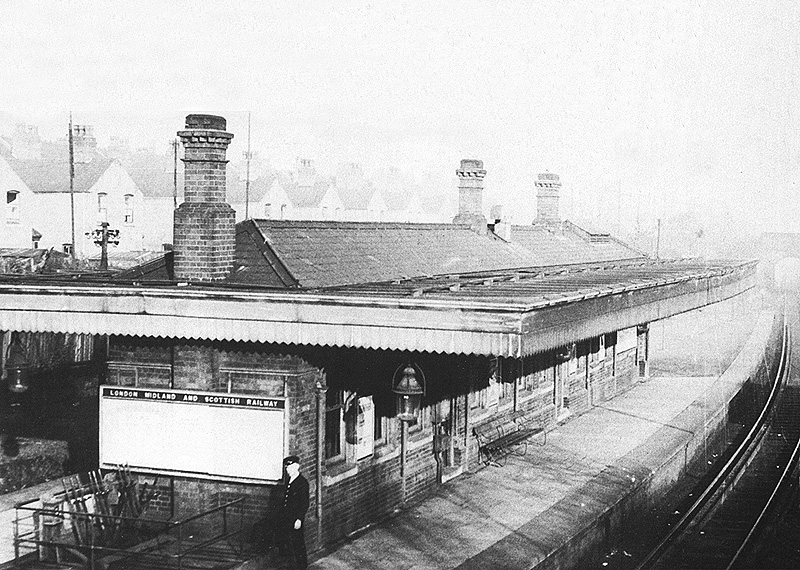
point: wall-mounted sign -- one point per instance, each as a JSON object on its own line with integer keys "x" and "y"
{"x": 365, "y": 430}
{"x": 201, "y": 434}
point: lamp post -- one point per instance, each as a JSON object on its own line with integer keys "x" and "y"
{"x": 16, "y": 373}
{"x": 409, "y": 390}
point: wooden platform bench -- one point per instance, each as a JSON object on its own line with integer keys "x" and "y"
{"x": 502, "y": 436}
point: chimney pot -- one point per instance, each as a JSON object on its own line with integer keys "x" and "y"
{"x": 208, "y": 122}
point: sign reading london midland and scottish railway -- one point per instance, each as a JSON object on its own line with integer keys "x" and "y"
{"x": 219, "y": 435}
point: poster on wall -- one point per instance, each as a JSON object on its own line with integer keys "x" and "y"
{"x": 201, "y": 434}
{"x": 365, "y": 428}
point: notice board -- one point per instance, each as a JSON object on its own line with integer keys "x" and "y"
{"x": 203, "y": 434}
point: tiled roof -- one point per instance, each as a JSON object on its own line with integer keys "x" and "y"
{"x": 153, "y": 174}
{"x": 325, "y": 254}
{"x": 398, "y": 199}
{"x": 46, "y": 176}
{"x": 307, "y": 196}
{"x": 259, "y": 187}
{"x": 5, "y": 146}
{"x": 356, "y": 196}
{"x": 554, "y": 246}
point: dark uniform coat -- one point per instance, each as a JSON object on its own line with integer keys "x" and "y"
{"x": 295, "y": 505}
{"x": 295, "y": 501}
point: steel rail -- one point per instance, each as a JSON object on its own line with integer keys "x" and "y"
{"x": 785, "y": 479}
{"x": 734, "y": 465}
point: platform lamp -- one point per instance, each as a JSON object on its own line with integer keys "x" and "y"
{"x": 16, "y": 370}
{"x": 16, "y": 366}
{"x": 408, "y": 384}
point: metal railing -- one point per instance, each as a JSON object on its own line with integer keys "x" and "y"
{"x": 59, "y": 535}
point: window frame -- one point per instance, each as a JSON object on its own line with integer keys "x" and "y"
{"x": 102, "y": 206}
{"x": 128, "y": 201}
{"x": 12, "y": 206}
{"x": 334, "y": 408}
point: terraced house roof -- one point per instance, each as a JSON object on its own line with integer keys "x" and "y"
{"x": 49, "y": 176}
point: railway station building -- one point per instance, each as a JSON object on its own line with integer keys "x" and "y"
{"x": 373, "y": 351}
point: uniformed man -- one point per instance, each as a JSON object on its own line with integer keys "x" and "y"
{"x": 293, "y": 511}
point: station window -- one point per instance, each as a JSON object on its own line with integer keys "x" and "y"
{"x": 595, "y": 348}
{"x": 352, "y": 427}
{"x": 422, "y": 422}
{"x": 531, "y": 373}
{"x": 379, "y": 433}
{"x": 12, "y": 207}
{"x": 359, "y": 425}
{"x": 610, "y": 343}
{"x": 507, "y": 373}
{"x": 333, "y": 424}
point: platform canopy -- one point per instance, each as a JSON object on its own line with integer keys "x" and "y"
{"x": 502, "y": 313}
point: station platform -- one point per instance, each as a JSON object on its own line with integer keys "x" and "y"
{"x": 515, "y": 515}
{"x": 544, "y": 509}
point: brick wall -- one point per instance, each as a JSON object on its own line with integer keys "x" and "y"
{"x": 356, "y": 493}
{"x": 237, "y": 368}
{"x": 204, "y": 241}
{"x": 627, "y": 372}
{"x": 576, "y": 389}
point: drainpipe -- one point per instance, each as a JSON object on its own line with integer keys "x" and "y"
{"x": 321, "y": 388}
{"x": 403, "y": 444}
{"x": 465, "y": 461}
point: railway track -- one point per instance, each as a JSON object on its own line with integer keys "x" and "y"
{"x": 741, "y": 519}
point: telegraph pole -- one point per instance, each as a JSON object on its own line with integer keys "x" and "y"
{"x": 248, "y": 155}
{"x": 72, "y": 184}
{"x": 658, "y": 236}
{"x": 103, "y": 236}
{"x": 104, "y": 246}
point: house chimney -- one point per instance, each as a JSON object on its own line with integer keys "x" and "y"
{"x": 26, "y": 144}
{"x": 306, "y": 172}
{"x": 84, "y": 143}
{"x": 204, "y": 233}
{"x": 548, "y": 187}
{"x": 470, "y": 195}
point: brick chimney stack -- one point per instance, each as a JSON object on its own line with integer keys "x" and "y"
{"x": 204, "y": 233}
{"x": 84, "y": 143}
{"x": 470, "y": 194}
{"x": 548, "y": 187}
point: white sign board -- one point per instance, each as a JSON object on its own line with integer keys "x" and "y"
{"x": 365, "y": 428}
{"x": 203, "y": 434}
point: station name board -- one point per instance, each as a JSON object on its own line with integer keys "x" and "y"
{"x": 188, "y": 433}
{"x": 193, "y": 398}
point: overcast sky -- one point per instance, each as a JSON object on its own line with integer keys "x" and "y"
{"x": 645, "y": 108}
